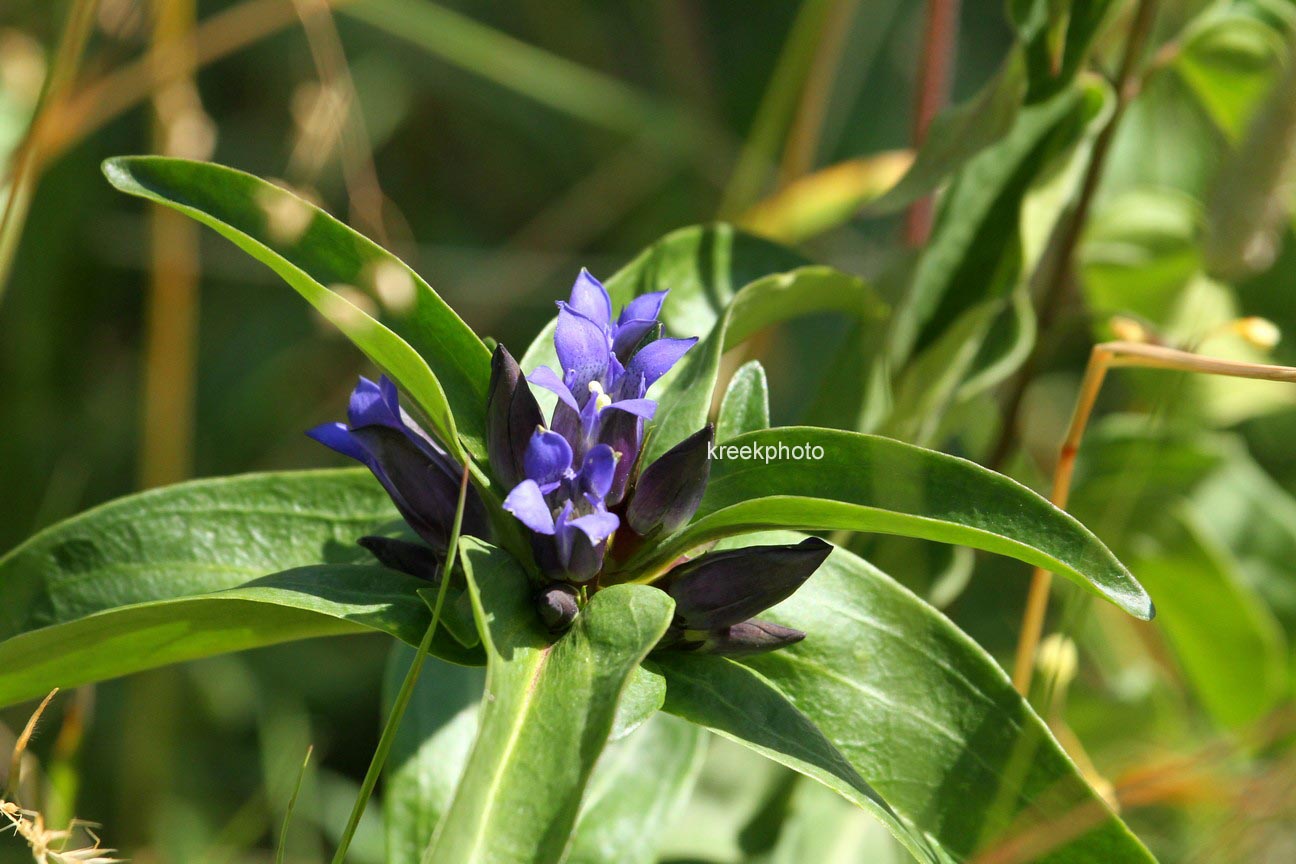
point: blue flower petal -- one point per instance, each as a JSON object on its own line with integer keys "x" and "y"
{"x": 644, "y": 307}
{"x": 583, "y": 351}
{"x": 641, "y": 408}
{"x": 548, "y": 456}
{"x": 527, "y": 503}
{"x": 549, "y": 380}
{"x": 595, "y": 477}
{"x": 629, "y": 334}
{"x": 656, "y": 358}
{"x": 590, "y": 298}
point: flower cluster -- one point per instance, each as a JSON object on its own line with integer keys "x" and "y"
{"x": 579, "y": 467}
{"x": 576, "y": 483}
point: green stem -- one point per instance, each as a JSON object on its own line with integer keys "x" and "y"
{"x": 407, "y": 686}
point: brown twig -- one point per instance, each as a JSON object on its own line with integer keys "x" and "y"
{"x": 1055, "y": 272}
{"x": 1105, "y": 356}
{"x": 935, "y": 66}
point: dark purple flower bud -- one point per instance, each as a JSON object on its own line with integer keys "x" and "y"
{"x": 669, "y": 490}
{"x": 420, "y": 477}
{"x": 512, "y": 414}
{"x": 750, "y": 637}
{"x": 405, "y": 557}
{"x": 722, "y": 589}
{"x": 557, "y": 606}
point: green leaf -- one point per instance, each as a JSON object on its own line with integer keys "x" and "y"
{"x": 686, "y": 392}
{"x": 958, "y": 134}
{"x": 548, "y": 711}
{"x": 419, "y": 341}
{"x": 638, "y": 788}
{"x": 702, "y": 266}
{"x": 296, "y": 604}
{"x": 745, "y": 406}
{"x": 430, "y": 750}
{"x": 1230, "y": 646}
{"x": 1229, "y": 60}
{"x": 975, "y": 250}
{"x": 738, "y": 703}
{"x": 197, "y": 569}
{"x": 875, "y": 484}
{"x": 932, "y": 722}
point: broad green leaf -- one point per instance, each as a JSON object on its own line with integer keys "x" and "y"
{"x": 431, "y": 747}
{"x": 302, "y": 603}
{"x": 875, "y": 484}
{"x": 739, "y": 703}
{"x": 1230, "y": 646}
{"x": 638, "y": 788}
{"x": 1059, "y": 38}
{"x": 745, "y": 406}
{"x": 958, "y": 134}
{"x": 686, "y": 393}
{"x": 165, "y": 576}
{"x": 547, "y": 713}
{"x": 418, "y": 340}
{"x": 642, "y": 698}
{"x": 702, "y": 266}
{"x": 933, "y": 724}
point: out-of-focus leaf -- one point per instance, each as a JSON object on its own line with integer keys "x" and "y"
{"x": 638, "y": 788}
{"x": 1059, "y": 37}
{"x": 745, "y": 407}
{"x": 1230, "y": 61}
{"x": 1253, "y": 194}
{"x": 197, "y": 569}
{"x": 1231, "y": 648}
{"x": 820, "y": 827}
{"x": 1139, "y": 251}
{"x": 976, "y": 240}
{"x": 419, "y": 340}
{"x": 825, "y": 199}
{"x": 960, "y": 133}
{"x": 875, "y": 484}
{"x": 430, "y": 750}
{"x": 928, "y": 718}
{"x": 547, "y": 711}
{"x": 1244, "y": 510}
{"x": 686, "y": 394}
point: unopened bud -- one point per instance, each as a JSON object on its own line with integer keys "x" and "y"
{"x": 1128, "y": 329}
{"x": 723, "y": 589}
{"x": 414, "y": 559}
{"x": 1259, "y": 332}
{"x": 557, "y": 606}
{"x": 670, "y": 489}
{"x": 1057, "y": 660}
{"x": 512, "y": 415}
{"x": 750, "y": 637}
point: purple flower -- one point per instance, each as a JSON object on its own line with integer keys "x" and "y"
{"x": 420, "y": 477}
{"x": 564, "y": 502}
{"x": 607, "y": 368}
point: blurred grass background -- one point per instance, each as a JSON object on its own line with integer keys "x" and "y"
{"x": 497, "y": 148}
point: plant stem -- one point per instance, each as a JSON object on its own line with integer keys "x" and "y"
{"x": 166, "y": 442}
{"x": 934, "y": 69}
{"x": 1055, "y": 268}
{"x": 1111, "y": 355}
{"x": 407, "y": 686}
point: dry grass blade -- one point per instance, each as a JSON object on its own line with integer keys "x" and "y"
{"x": 47, "y": 845}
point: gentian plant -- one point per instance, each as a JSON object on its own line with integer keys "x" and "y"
{"x": 601, "y": 548}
